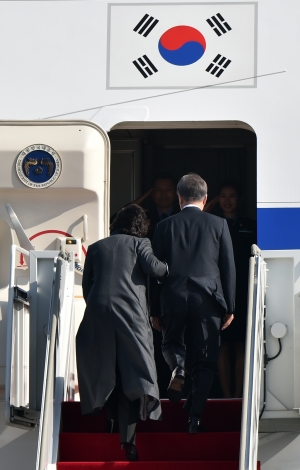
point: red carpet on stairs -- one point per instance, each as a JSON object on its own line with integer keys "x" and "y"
{"x": 164, "y": 445}
{"x": 234, "y": 465}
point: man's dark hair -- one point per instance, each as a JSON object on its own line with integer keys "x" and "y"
{"x": 231, "y": 183}
{"x": 131, "y": 220}
{"x": 192, "y": 187}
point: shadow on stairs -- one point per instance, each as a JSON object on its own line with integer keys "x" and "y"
{"x": 162, "y": 445}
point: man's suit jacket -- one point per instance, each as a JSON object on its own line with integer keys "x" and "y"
{"x": 153, "y": 217}
{"x": 198, "y": 249}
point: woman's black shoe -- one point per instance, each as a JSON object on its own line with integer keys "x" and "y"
{"x": 193, "y": 425}
{"x": 131, "y": 452}
{"x": 111, "y": 426}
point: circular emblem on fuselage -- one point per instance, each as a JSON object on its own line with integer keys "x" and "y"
{"x": 38, "y": 166}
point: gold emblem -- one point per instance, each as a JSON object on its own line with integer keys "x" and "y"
{"x": 29, "y": 163}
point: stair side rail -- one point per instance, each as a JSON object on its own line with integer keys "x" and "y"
{"x": 253, "y": 361}
{"x": 17, "y": 351}
{"x": 57, "y": 370}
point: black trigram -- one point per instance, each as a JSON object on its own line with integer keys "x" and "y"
{"x": 218, "y": 65}
{"x": 145, "y": 66}
{"x": 218, "y": 24}
{"x": 146, "y": 25}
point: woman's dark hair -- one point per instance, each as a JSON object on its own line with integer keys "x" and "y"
{"x": 131, "y": 220}
{"x": 230, "y": 183}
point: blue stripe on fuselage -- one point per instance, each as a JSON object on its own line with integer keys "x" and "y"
{"x": 278, "y": 228}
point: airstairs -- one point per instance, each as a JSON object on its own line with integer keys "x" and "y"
{"x": 40, "y": 385}
{"x": 162, "y": 445}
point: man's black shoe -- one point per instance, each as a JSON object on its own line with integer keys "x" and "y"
{"x": 193, "y": 425}
{"x": 176, "y": 385}
{"x": 131, "y": 452}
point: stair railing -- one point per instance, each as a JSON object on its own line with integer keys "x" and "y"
{"x": 17, "y": 350}
{"x": 57, "y": 371}
{"x": 253, "y": 361}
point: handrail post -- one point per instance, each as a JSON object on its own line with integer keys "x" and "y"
{"x": 49, "y": 376}
{"x": 56, "y": 364}
{"x": 253, "y": 361}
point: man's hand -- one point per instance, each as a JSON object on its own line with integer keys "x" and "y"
{"x": 140, "y": 199}
{"x": 156, "y": 323}
{"x": 210, "y": 205}
{"x": 229, "y": 317}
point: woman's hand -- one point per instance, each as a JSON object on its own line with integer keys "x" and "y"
{"x": 156, "y": 323}
{"x": 208, "y": 207}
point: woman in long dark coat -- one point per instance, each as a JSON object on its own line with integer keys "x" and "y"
{"x": 114, "y": 343}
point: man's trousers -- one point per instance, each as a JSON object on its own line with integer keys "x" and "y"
{"x": 203, "y": 316}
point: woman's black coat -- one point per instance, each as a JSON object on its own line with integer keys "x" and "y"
{"x": 115, "y": 327}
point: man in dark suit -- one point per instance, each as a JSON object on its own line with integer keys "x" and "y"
{"x": 199, "y": 291}
{"x": 159, "y": 202}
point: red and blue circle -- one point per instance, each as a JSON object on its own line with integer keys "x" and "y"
{"x": 182, "y": 45}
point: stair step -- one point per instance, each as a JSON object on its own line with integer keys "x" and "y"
{"x": 97, "y": 447}
{"x": 175, "y": 465}
{"x": 218, "y": 416}
{"x": 160, "y": 465}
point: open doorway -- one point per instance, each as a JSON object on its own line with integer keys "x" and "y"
{"x": 220, "y": 152}
{"x": 217, "y": 151}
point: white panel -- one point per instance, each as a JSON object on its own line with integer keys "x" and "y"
{"x": 50, "y": 48}
{"x": 280, "y": 307}
{"x": 282, "y": 303}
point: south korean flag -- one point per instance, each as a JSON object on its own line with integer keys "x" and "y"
{"x": 181, "y": 45}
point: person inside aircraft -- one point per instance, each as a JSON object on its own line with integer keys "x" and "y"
{"x": 243, "y": 235}
{"x": 160, "y": 201}
{"x": 114, "y": 343}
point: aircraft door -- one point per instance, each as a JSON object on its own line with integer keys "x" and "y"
{"x": 54, "y": 195}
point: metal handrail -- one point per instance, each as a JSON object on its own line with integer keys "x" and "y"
{"x": 57, "y": 361}
{"x": 13, "y": 250}
{"x": 253, "y": 361}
